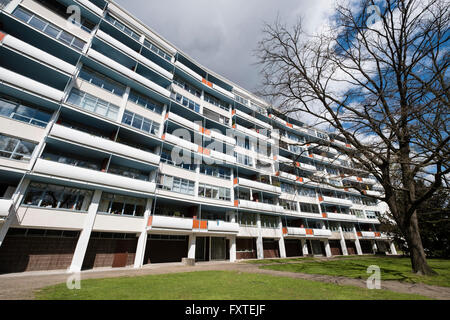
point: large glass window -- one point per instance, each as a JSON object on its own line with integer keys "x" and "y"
{"x": 27, "y": 114}
{"x": 214, "y": 192}
{"x": 50, "y": 29}
{"x": 176, "y": 184}
{"x": 217, "y": 102}
{"x": 218, "y": 172}
{"x": 93, "y": 104}
{"x": 122, "y": 27}
{"x": 128, "y": 172}
{"x": 269, "y": 221}
{"x": 309, "y": 207}
{"x": 247, "y": 219}
{"x": 157, "y": 50}
{"x": 16, "y": 149}
{"x": 101, "y": 81}
{"x": 288, "y": 205}
{"x": 140, "y": 123}
{"x": 145, "y": 102}
{"x": 187, "y": 102}
{"x": 190, "y": 88}
{"x": 55, "y": 196}
{"x": 122, "y": 205}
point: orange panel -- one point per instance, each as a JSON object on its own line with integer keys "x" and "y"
{"x": 234, "y": 126}
{"x": 2, "y": 35}
{"x": 289, "y": 125}
{"x": 347, "y": 145}
{"x": 309, "y": 231}
{"x": 324, "y": 215}
{"x": 195, "y": 224}
{"x": 274, "y": 157}
{"x": 345, "y": 189}
{"x": 277, "y": 173}
{"x": 235, "y": 181}
{"x": 206, "y": 151}
{"x": 233, "y": 111}
{"x": 299, "y": 179}
{"x": 150, "y": 220}
{"x": 236, "y": 203}
{"x": 377, "y": 234}
{"x": 167, "y": 116}
{"x": 163, "y": 137}
{"x": 359, "y": 179}
{"x": 320, "y": 198}
{"x": 297, "y": 164}
{"x": 207, "y": 132}
{"x": 285, "y": 230}
{"x": 311, "y": 156}
{"x": 359, "y": 234}
{"x": 203, "y": 224}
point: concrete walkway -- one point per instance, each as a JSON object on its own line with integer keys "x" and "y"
{"x": 23, "y": 285}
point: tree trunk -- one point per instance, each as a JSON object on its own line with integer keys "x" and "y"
{"x": 418, "y": 259}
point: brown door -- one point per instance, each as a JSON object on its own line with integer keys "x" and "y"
{"x": 120, "y": 254}
{"x": 335, "y": 247}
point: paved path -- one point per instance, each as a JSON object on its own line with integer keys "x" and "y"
{"x": 23, "y": 285}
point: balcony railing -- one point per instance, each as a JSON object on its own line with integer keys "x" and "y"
{"x": 191, "y": 224}
{"x": 259, "y": 206}
{"x": 257, "y": 185}
{"x": 5, "y": 205}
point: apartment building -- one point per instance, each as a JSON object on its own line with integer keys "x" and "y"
{"x": 117, "y": 149}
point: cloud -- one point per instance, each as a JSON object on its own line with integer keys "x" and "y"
{"x": 222, "y": 35}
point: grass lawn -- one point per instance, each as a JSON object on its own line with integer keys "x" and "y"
{"x": 392, "y": 268}
{"x": 213, "y": 285}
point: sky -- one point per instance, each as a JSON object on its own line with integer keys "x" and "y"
{"x": 223, "y": 34}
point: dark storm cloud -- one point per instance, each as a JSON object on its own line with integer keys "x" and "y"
{"x": 220, "y": 34}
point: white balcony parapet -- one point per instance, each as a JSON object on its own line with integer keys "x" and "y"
{"x": 260, "y": 206}
{"x": 91, "y": 7}
{"x": 338, "y": 201}
{"x": 5, "y": 205}
{"x": 127, "y": 72}
{"x": 66, "y": 171}
{"x": 119, "y": 45}
{"x": 223, "y": 226}
{"x": 286, "y": 175}
{"x": 253, "y": 133}
{"x": 104, "y": 144}
{"x": 341, "y": 216}
{"x": 30, "y": 84}
{"x": 180, "y": 142}
{"x": 223, "y": 91}
{"x": 258, "y": 185}
{"x": 165, "y": 222}
{"x": 373, "y": 193}
{"x": 38, "y": 54}
{"x": 307, "y": 166}
{"x": 368, "y": 234}
{"x": 322, "y": 232}
{"x": 270, "y": 232}
{"x": 222, "y": 156}
{"x": 188, "y": 70}
{"x": 253, "y": 119}
{"x": 296, "y": 231}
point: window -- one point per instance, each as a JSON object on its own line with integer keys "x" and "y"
{"x": 24, "y": 113}
{"x": 93, "y": 104}
{"x": 357, "y": 213}
{"x": 122, "y": 27}
{"x": 287, "y": 188}
{"x": 72, "y": 160}
{"x": 16, "y": 149}
{"x": 309, "y": 207}
{"x": 247, "y": 219}
{"x": 218, "y": 103}
{"x": 269, "y": 222}
{"x": 57, "y": 197}
{"x": 307, "y": 192}
{"x": 191, "y": 89}
{"x": 214, "y": 192}
{"x": 48, "y": 28}
{"x": 166, "y": 157}
{"x": 187, "y": 102}
{"x": 122, "y": 205}
{"x": 157, "y": 50}
{"x": 128, "y": 172}
{"x": 372, "y": 214}
{"x": 101, "y": 81}
{"x": 288, "y": 205}
{"x": 140, "y": 123}
{"x": 215, "y": 116}
{"x": 243, "y": 159}
{"x": 240, "y": 99}
{"x": 145, "y": 102}
{"x": 218, "y": 172}
{"x": 176, "y": 184}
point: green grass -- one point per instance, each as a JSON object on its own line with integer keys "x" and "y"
{"x": 214, "y": 285}
{"x": 392, "y": 268}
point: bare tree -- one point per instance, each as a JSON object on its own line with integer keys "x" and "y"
{"x": 382, "y": 83}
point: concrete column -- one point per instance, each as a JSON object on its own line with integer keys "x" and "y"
{"x": 142, "y": 241}
{"x": 83, "y": 240}
{"x": 17, "y": 200}
{"x": 259, "y": 240}
{"x": 327, "y": 248}
{"x": 304, "y": 247}
{"x": 191, "y": 249}
{"x": 281, "y": 246}
{"x": 357, "y": 244}
{"x": 232, "y": 248}
{"x": 392, "y": 246}
{"x": 343, "y": 245}
{"x": 374, "y": 246}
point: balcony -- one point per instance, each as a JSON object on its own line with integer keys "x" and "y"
{"x": 270, "y": 232}
{"x": 336, "y": 201}
{"x": 368, "y": 234}
{"x": 190, "y": 224}
{"x": 65, "y": 171}
{"x": 253, "y": 133}
{"x": 223, "y": 226}
{"x": 296, "y": 232}
{"x": 252, "y": 119}
{"x": 164, "y": 222}
{"x": 257, "y": 185}
{"x": 106, "y": 145}
{"x": 321, "y": 233}
{"x": 340, "y": 216}
{"x": 258, "y": 206}
{"x": 5, "y": 205}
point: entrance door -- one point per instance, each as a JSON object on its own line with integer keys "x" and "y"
{"x": 218, "y": 248}
{"x": 316, "y": 247}
{"x": 202, "y": 249}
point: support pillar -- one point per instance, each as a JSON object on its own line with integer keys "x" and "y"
{"x": 374, "y": 246}
{"x": 259, "y": 240}
{"x": 142, "y": 241}
{"x": 233, "y": 249}
{"x": 343, "y": 244}
{"x": 281, "y": 245}
{"x": 327, "y": 248}
{"x": 357, "y": 244}
{"x": 191, "y": 249}
{"x": 304, "y": 247}
{"x": 392, "y": 247}
{"x": 83, "y": 240}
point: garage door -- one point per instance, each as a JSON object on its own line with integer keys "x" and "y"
{"x": 366, "y": 246}
{"x": 271, "y": 248}
{"x": 335, "y": 247}
{"x": 36, "y": 250}
{"x": 162, "y": 248}
{"x": 293, "y": 247}
{"x": 246, "y": 248}
{"x": 351, "y": 247}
